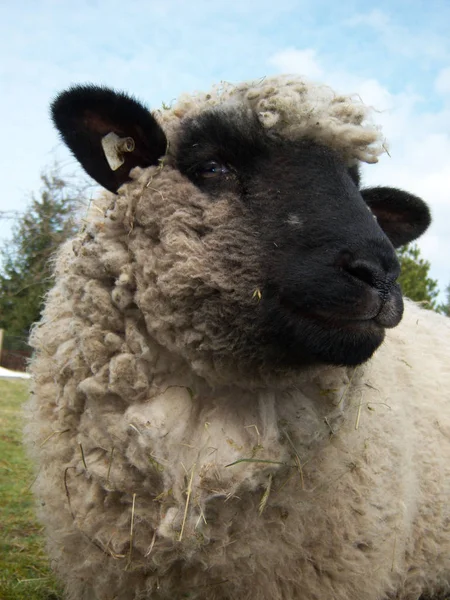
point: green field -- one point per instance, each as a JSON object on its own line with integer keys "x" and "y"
{"x": 24, "y": 570}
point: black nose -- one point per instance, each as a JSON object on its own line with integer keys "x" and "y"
{"x": 378, "y": 270}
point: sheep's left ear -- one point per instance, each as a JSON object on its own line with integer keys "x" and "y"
{"x": 108, "y": 132}
{"x": 402, "y": 216}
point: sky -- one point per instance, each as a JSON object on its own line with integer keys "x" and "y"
{"x": 394, "y": 54}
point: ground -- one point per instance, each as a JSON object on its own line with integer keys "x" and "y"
{"x": 24, "y": 568}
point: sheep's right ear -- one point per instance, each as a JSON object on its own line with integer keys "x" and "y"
{"x": 108, "y": 132}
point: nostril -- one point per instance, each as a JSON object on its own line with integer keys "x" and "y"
{"x": 366, "y": 272}
{"x": 370, "y": 272}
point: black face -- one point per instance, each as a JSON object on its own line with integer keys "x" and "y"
{"x": 322, "y": 250}
{"x": 328, "y": 270}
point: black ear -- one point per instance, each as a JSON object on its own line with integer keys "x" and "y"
{"x": 402, "y": 216}
{"x": 108, "y": 132}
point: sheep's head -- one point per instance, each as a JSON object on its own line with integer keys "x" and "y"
{"x": 251, "y": 248}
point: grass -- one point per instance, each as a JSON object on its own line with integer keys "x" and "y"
{"x": 24, "y": 568}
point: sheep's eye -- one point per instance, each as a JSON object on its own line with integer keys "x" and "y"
{"x": 212, "y": 169}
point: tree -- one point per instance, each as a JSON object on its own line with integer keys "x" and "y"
{"x": 414, "y": 279}
{"x": 445, "y": 308}
{"x": 25, "y": 272}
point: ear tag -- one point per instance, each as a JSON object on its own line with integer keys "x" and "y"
{"x": 114, "y": 148}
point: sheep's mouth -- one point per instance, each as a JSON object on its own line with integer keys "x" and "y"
{"x": 377, "y": 315}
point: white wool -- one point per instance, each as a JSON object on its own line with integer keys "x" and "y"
{"x": 159, "y": 480}
{"x": 292, "y": 108}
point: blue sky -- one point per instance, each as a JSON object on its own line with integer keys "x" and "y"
{"x": 395, "y": 54}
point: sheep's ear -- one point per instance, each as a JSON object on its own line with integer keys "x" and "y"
{"x": 402, "y": 216}
{"x": 108, "y": 132}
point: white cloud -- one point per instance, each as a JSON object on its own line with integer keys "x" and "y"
{"x": 303, "y": 62}
{"x": 400, "y": 40}
{"x": 442, "y": 83}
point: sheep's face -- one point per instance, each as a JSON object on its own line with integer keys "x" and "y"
{"x": 250, "y": 251}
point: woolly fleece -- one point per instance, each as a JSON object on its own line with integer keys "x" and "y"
{"x": 163, "y": 475}
{"x": 292, "y": 108}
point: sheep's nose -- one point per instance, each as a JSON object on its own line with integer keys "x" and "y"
{"x": 379, "y": 271}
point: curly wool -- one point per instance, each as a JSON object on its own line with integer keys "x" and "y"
{"x": 118, "y": 449}
{"x": 292, "y": 108}
{"x": 163, "y": 475}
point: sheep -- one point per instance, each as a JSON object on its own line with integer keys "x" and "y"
{"x": 230, "y": 399}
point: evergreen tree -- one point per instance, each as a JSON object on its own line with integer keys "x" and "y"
{"x": 25, "y": 271}
{"x": 445, "y": 308}
{"x": 414, "y": 279}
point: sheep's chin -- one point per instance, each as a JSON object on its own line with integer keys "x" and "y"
{"x": 293, "y": 341}
{"x": 285, "y": 357}
{"x": 298, "y": 335}
{"x": 352, "y": 344}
